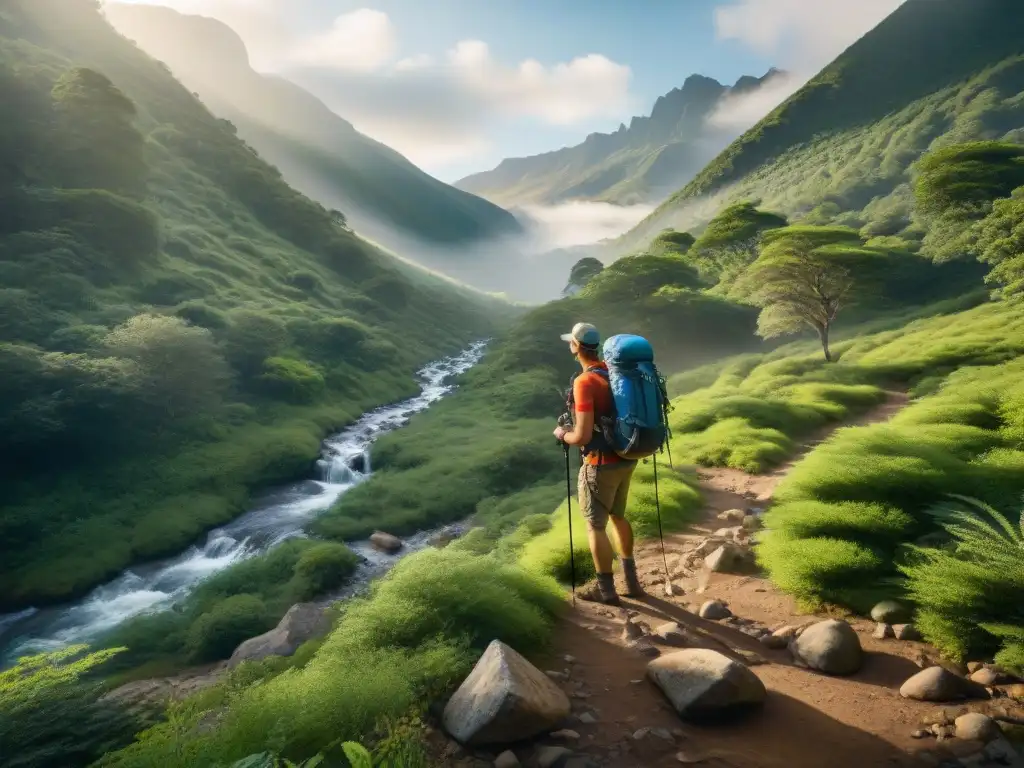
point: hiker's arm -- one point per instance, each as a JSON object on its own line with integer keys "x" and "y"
{"x": 582, "y": 429}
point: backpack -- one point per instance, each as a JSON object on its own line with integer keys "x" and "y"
{"x": 639, "y": 427}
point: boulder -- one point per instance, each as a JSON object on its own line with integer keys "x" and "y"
{"x": 906, "y": 632}
{"x": 699, "y": 681}
{"x": 890, "y": 612}
{"x": 975, "y": 726}
{"x": 939, "y": 684}
{"x": 715, "y": 610}
{"x": 385, "y": 542}
{"x": 729, "y": 558}
{"x": 503, "y": 700}
{"x": 302, "y": 622}
{"x": 732, "y": 516}
{"x": 829, "y": 646}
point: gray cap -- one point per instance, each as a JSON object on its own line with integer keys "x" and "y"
{"x": 584, "y": 334}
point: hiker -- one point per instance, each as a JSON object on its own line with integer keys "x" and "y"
{"x": 604, "y": 475}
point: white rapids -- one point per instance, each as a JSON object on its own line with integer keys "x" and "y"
{"x": 274, "y": 518}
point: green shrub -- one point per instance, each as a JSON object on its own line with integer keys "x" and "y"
{"x": 322, "y": 568}
{"x": 296, "y": 381}
{"x": 216, "y": 634}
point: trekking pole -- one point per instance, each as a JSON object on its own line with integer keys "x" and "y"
{"x": 568, "y": 503}
{"x": 657, "y": 504}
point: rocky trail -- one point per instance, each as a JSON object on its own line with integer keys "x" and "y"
{"x": 803, "y": 718}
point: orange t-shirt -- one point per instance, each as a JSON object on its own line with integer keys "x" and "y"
{"x": 593, "y": 393}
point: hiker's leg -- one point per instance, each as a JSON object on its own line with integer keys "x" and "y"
{"x": 624, "y": 533}
{"x": 595, "y": 511}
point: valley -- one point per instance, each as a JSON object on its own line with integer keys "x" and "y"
{"x": 280, "y": 485}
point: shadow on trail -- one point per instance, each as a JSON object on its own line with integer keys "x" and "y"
{"x": 783, "y": 733}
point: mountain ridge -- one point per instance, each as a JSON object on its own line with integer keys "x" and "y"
{"x": 318, "y": 151}
{"x": 640, "y": 162}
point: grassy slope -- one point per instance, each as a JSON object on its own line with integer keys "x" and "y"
{"x": 318, "y": 152}
{"x": 846, "y": 141}
{"x": 223, "y": 248}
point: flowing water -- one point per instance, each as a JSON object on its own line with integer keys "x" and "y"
{"x": 275, "y": 517}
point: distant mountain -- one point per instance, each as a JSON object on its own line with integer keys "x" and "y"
{"x": 842, "y": 148}
{"x": 650, "y": 159}
{"x": 383, "y": 195}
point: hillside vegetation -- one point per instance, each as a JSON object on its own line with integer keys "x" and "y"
{"x": 177, "y": 325}
{"x": 641, "y": 163}
{"x": 317, "y": 151}
{"x": 842, "y": 148}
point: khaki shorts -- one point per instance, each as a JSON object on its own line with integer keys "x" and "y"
{"x": 603, "y": 491}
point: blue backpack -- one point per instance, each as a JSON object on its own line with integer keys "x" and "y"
{"x": 640, "y": 426}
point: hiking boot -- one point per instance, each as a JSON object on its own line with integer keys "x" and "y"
{"x": 633, "y": 586}
{"x": 600, "y": 591}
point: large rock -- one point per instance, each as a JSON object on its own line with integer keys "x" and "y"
{"x": 302, "y": 622}
{"x": 732, "y": 516}
{"x": 829, "y": 646}
{"x": 975, "y": 726}
{"x": 385, "y": 542}
{"x": 503, "y": 700}
{"x": 939, "y": 684}
{"x": 891, "y": 612}
{"x": 699, "y": 681}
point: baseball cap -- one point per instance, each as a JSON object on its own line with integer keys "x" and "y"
{"x": 583, "y": 334}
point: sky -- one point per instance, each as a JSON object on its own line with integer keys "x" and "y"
{"x": 458, "y": 85}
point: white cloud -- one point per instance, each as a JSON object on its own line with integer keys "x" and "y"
{"x": 737, "y": 113}
{"x": 582, "y": 223}
{"x": 804, "y": 35}
{"x": 363, "y": 40}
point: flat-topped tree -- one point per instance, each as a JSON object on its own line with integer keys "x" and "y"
{"x": 732, "y": 238}
{"x": 805, "y": 276}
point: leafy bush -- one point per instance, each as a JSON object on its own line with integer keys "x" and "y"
{"x": 216, "y": 633}
{"x": 294, "y": 380}
{"x": 51, "y": 715}
{"x": 322, "y": 568}
{"x": 970, "y": 596}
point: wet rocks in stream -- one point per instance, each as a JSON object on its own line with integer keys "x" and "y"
{"x": 385, "y": 542}
{"x": 504, "y": 699}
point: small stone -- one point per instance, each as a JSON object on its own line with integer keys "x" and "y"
{"x": 555, "y": 675}
{"x": 631, "y": 631}
{"x": 587, "y": 718}
{"x": 506, "y": 759}
{"x": 890, "y": 612}
{"x": 975, "y": 726}
{"x": 989, "y": 676}
{"x": 662, "y": 733}
{"x": 569, "y": 659}
{"x": 974, "y": 666}
{"x": 580, "y": 695}
{"x": 645, "y": 648}
{"x": 641, "y": 734}
{"x": 919, "y": 734}
{"x": 773, "y": 641}
{"x": 548, "y": 756}
{"x": 732, "y": 516}
{"x": 565, "y": 734}
{"x": 671, "y": 634}
{"x": 385, "y": 542}
{"x": 906, "y": 632}
{"x": 883, "y": 631}
{"x": 715, "y": 610}
{"x": 636, "y": 682}
{"x": 786, "y": 633}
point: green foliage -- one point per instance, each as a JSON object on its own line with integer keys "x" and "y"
{"x": 969, "y": 594}
{"x": 51, "y": 715}
{"x": 216, "y": 633}
{"x": 672, "y": 243}
{"x": 731, "y": 239}
{"x": 967, "y": 177}
{"x": 411, "y": 639}
{"x": 323, "y": 568}
{"x": 293, "y": 380}
{"x": 999, "y": 241}
{"x": 585, "y": 270}
{"x": 805, "y": 275}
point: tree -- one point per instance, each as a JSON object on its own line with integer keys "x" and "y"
{"x": 999, "y": 241}
{"x": 732, "y": 238}
{"x": 583, "y": 271}
{"x": 805, "y": 276}
{"x": 672, "y": 242}
{"x": 183, "y": 375}
{"x": 100, "y": 146}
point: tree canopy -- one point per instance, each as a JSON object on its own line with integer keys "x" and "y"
{"x": 805, "y": 276}
{"x": 730, "y": 241}
{"x": 963, "y": 178}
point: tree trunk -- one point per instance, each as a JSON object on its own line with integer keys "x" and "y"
{"x": 823, "y": 335}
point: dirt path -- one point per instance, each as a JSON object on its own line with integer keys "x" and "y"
{"x": 809, "y": 720}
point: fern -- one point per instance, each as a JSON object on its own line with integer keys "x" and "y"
{"x": 971, "y": 596}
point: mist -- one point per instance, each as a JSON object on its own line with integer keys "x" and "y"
{"x": 736, "y": 114}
